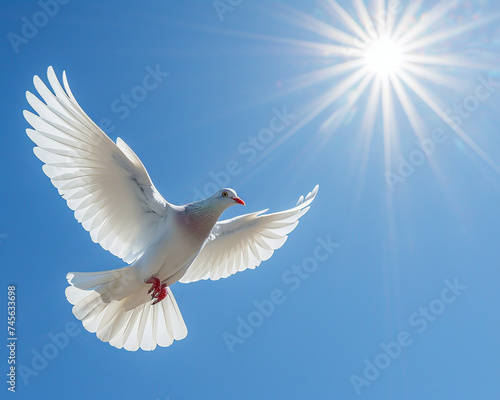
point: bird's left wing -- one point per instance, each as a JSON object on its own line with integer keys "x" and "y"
{"x": 245, "y": 241}
{"x": 104, "y": 183}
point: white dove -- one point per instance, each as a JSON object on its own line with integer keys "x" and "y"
{"x": 113, "y": 197}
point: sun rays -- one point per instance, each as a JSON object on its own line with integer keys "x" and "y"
{"x": 393, "y": 71}
{"x": 386, "y": 58}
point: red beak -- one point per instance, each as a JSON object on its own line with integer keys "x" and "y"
{"x": 238, "y": 200}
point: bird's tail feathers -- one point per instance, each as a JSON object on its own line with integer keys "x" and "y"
{"x": 116, "y": 306}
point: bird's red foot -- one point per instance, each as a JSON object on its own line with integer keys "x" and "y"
{"x": 158, "y": 290}
{"x": 160, "y": 295}
{"x": 155, "y": 287}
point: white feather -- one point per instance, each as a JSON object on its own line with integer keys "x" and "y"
{"x": 254, "y": 236}
{"x": 113, "y": 197}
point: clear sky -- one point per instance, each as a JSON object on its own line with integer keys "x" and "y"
{"x": 387, "y": 289}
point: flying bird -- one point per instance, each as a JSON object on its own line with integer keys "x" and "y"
{"x": 113, "y": 197}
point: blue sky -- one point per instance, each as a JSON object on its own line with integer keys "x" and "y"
{"x": 416, "y": 234}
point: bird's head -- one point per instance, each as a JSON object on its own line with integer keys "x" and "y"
{"x": 227, "y": 197}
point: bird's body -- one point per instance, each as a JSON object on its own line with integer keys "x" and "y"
{"x": 182, "y": 233}
{"x": 113, "y": 197}
{"x": 180, "y": 239}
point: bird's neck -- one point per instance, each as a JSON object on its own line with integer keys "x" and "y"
{"x": 201, "y": 216}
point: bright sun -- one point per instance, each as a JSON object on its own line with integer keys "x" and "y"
{"x": 392, "y": 58}
{"x": 383, "y": 56}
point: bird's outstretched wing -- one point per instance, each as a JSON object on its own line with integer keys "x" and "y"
{"x": 104, "y": 183}
{"x": 245, "y": 241}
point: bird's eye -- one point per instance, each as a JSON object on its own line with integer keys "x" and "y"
{"x": 224, "y": 194}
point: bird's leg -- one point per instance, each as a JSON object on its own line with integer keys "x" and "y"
{"x": 161, "y": 294}
{"x": 158, "y": 290}
{"x": 155, "y": 286}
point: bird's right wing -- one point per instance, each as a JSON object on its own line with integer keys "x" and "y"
{"x": 104, "y": 183}
{"x": 245, "y": 241}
